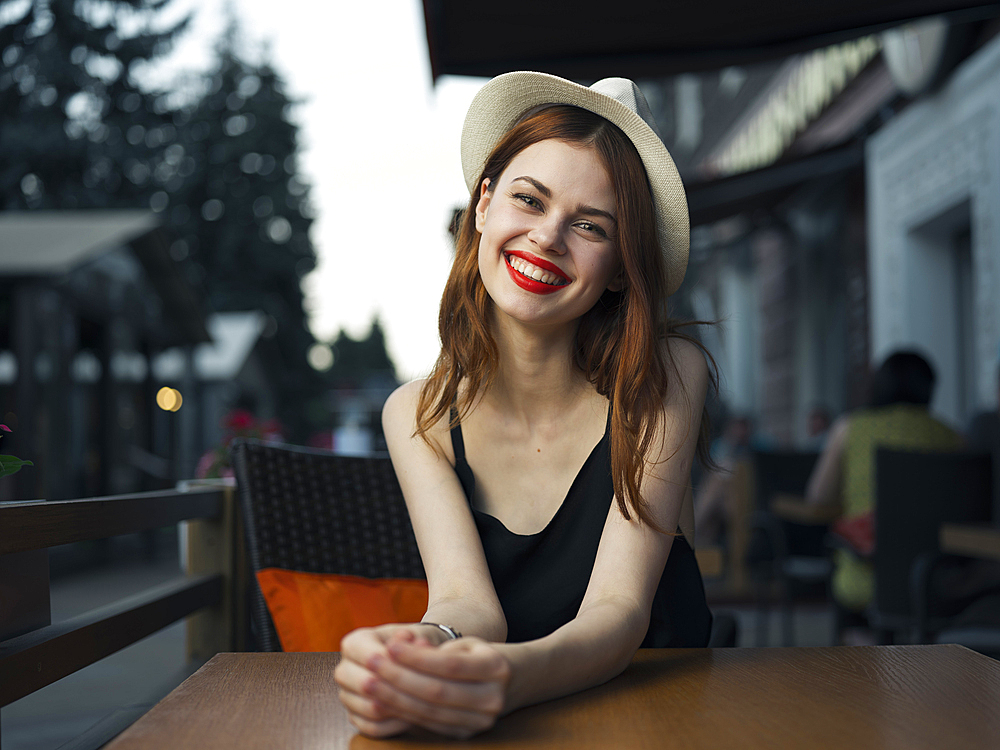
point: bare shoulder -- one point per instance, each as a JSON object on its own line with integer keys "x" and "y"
{"x": 399, "y": 419}
{"x": 689, "y": 365}
{"x": 402, "y": 402}
{"x": 401, "y": 406}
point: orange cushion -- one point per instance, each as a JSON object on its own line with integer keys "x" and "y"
{"x": 313, "y": 611}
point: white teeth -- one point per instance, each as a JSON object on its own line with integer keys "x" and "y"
{"x": 533, "y": 271}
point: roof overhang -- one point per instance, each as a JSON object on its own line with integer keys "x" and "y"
{"x": 591, "y": 39}
{"x": 52, "y": 244}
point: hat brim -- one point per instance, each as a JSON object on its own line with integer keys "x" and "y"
{"x": 501, "y": 103}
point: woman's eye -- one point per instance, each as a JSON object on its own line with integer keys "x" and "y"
{"x": 529, "y": 200}
{"x": 588, "y": 226}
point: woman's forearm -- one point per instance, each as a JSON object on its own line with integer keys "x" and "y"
{"x": 591, "y": 649}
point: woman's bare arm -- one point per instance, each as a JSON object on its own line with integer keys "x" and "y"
{"x": 461, "y": 592}
{"x": 460, "y": 595}
{"x": 824, "y": 488}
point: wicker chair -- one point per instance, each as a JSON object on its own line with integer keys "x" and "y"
{"x": 316, "y": 512}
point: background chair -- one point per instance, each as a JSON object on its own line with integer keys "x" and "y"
{"x": 317, "y": 512}
{"x": 793, "y": 555}
{"x": 915, "y": 494}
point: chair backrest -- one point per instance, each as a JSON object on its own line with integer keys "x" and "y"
{"x": 317, "y": 512}
{"x": 788, "y": 472}
{"x": 781, "y": 471}
{"x": 915, "y": 494}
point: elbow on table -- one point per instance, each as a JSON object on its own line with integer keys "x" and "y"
{"x": 621, "y": 634}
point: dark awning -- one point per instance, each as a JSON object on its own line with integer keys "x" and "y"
{"x": 590, "y": 39}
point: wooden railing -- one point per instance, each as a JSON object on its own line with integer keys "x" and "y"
{"x": 210, "y": 591}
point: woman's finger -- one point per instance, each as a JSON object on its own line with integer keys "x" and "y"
{"x": 365, "y": 706}
{"x": 427, "y": 714}
{"x": 473, "y": 661}
{"x": 377, "y": 729}
{"x": 370, "y": 717}
{"x": 352, "y": 677}
{"x": 383, "y": 709}
{"x": 397, "y": 680}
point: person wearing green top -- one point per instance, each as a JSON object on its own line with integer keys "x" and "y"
{"x": 845, "y": 473}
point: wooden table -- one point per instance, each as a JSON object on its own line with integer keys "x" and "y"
{"x": 982, "y": 540}
{"x": 907, "y": 697}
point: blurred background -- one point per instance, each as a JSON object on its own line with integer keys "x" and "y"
{"x": 252, "y": 209}
{"x": 224, "y": 219}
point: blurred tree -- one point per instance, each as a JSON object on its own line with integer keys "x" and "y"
{"x": 242, "y": 212}
{"x": 75, "y": 128}
{"x": 360, "y": 363}
{"x": 218, "y": 159}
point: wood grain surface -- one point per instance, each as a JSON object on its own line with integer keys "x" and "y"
{"x": 906, "y": 697}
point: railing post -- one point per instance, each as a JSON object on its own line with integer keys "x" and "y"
{"x": 24, "y": 592}
{"x": 216, "y": 546}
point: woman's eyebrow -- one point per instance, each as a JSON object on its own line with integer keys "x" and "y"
{"x": 586, "y": 210}
{"x": 536, "y": 184}
{"x": 591, "y": 211}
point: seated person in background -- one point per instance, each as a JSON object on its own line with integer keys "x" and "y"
{"x": 817, "y": 428}
{"x": 710, "y": 502}
{"x": 845, "y": 473}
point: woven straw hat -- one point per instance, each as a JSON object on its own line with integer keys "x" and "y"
{"x": 502, "y": 102}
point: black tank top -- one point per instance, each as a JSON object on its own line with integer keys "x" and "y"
{"x": 541, "y": 578}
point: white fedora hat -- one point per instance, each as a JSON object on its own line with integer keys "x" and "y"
{"x": 502, "y": 102}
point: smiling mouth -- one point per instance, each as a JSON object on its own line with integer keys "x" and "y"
{"x": 533, "y": 272}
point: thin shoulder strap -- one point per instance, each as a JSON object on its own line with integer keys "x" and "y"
{"x": 457, "y": 443}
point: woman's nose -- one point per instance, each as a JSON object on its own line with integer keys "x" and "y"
{"x": 547, "y": 234}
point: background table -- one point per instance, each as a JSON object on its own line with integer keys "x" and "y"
{"x": 982, "y": 540}
{"x": 908, "y": 697}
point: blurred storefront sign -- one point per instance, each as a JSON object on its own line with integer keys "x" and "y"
{"x": 801, "y": 90}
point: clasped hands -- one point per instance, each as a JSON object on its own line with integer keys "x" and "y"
{"x": 396, "y": 677}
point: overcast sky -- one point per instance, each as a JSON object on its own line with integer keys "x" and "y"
{"x": 380, "y": 148}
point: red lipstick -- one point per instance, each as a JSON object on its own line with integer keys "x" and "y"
{"x": 526, "y": 282}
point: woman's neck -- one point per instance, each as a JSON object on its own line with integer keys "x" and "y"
{"x": 538, "y": 378}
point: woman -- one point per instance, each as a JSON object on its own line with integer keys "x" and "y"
{"x": 557, "y": 354}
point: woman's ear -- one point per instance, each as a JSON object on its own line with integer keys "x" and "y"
{"x": 485, "y": 194}
{"x": 617, "y": 282}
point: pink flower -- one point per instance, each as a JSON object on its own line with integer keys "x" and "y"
{"x": 205, "y": 465}
{"x": 5, "y": 428}
{"x": 239, "y": 419}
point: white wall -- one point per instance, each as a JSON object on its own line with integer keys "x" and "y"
{"x": 940, "y": 154}
{"x": 740, "y": 337}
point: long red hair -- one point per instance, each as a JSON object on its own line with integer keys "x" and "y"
{"x": 619, "y": 340}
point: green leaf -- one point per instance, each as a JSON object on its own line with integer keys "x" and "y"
{"x": 12, "y": 464}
